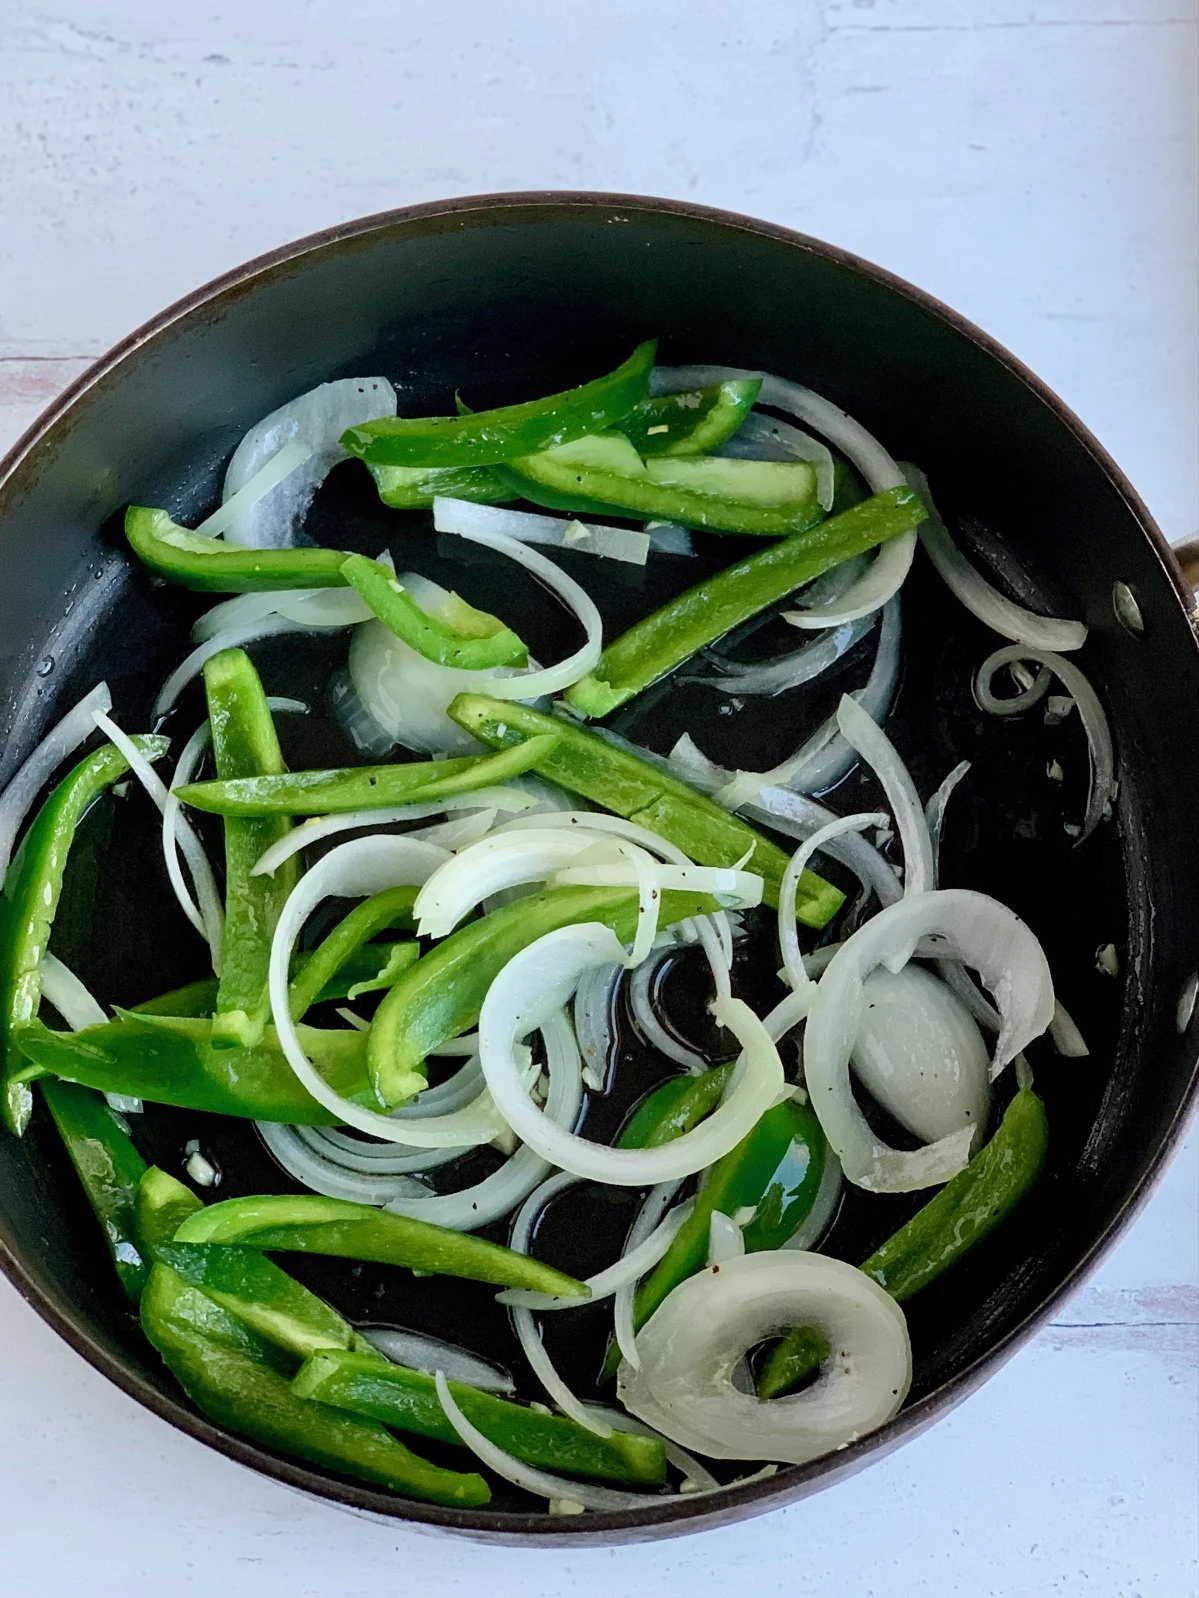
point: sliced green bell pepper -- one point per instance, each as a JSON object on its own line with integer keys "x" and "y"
{"x": 321, "y": 793}
{"x": 392, "y": 907}
{"x": 407, "y": 1400}
{"x": 416, "y": 487}
{"x": 661, "y": 641}
{"x": 110, "y": 1169}
{"x": 441, "y": 996}
{"x": 605, "y": 473}
{"x": 172, "y": 1060}
{"x": 30, "y": 899}
{"x": 489, "y": 643}
{"x": 775, "y": 1170}
{"x": 674, "y": 1108}
{"x": 245, "y": 744}
{"x": 967, "y": 1208}
{"x": 211, "y": 566}
{"x": 690, "y": 423}
{"x": 238, "y": 1380}
{"x": 313, "y": 1224}
{"x": 481, "y": 438}
{"x": 632, "y": 788}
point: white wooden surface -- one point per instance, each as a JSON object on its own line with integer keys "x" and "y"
{"x": 1030, "y": 161}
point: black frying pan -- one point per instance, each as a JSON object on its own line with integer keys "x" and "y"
{"x": 515, "y": 295}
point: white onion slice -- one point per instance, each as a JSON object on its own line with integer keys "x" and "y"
{"x": 740, "y": 890}
{"x": 315, "y": 422}
{"x": 819, "y": 1218}
{"x": 318, "y": 608}
{"x": 594, "y": 1017}
{"x": 211, "y": 914}
{"x": 492, "y": 865}
{"x": 236, "y": 507}
{"x": 315, "y": 1165}
{"x": 788, "y": 934}
{"x": 967, "y": 926}
{"x": 79, "y": 1008}
{"x": 797, "y": 816}
{"x": 552, "y": 679}
{"x": 540, "y": 1482}
{"x": 695, "y": 1477}
{"x": 499, "y": 1194}
{"x": 588, "y": 538}
{"x": 316, "y": 828}
{"x": 75, "y": 728}
{"x": 657, "y": 1202}
{"x": 189, "y": 669}
{"x": 725, "y": 1242}
{"x": 357, "y": 870}
{"x": 761, "y": 438}
{"x": 1094, "y": 720}
{"x": 825, "y": 757}
{"x": 934, "y": 812}
{"x": 1065, "y": 1036}
{"x": 629, "y": 1268}
{"x": 420, "y": 1352}
{"x": 969, "y": 586}
{"x": 667, "y": 538}
{"x": 891, "y": 565}
{"x": 641, "y": 1007}
{"x": 691, "y": 1345}
{"x": 541, "y": 977}
{"x": 185, "y": 768}
{"x": 864, "y": 734}
{"x": 782, "y": 672}
{"x": 596, "y": 821}
{"x": 919, "y": 1053}
{"x": 406, "y": 695}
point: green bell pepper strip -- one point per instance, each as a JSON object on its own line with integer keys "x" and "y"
{"x": 321, "y": 793}
{"x": 172, "y": 1060}
{"x": 407, "y": 1400}
{"x": 605, "y": 473}
{"x": 442, "y": 994}
{"x": 480, "y": 438}
{"x": 161, "y": 1205}
{"x": 392, "y": 907}
{"x": 775, "y": 1170}
{"x": 661, "y": 641}
{"x": 416, "y": 487}
{"x": 245, "y": 744}
{"x": 374, "y": 965}
{"x": 209, "y": 565}
{"x": 968, "y": 1207}
{"x": 429, "y": 634}
{"x": 110, "y": 1169}
{"x": 631, "y": 787}
{"x": 674, "y": 1108}
{"x": 237, "y": 1379}
{"x": 690, "y": 423}
{"x": 313, "y": 1224}
{"x": 30, "y": 900}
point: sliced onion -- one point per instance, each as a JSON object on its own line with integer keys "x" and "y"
{"x": 641, "y": 1006}
{"x": 367, "y": 735}
{"x": 649, "y": 1217}
{"x": 824, "y": 1206}
{"x": 314, "y": 422}
{"x": 1094, "y": 720}
{"x": 1065, "y": 1036}
{"x": 594, "y": 1007}
{"x": 420, "y": 1352}
{"x": 75, "y": 728}
{"x": 1031, "y": 692}
{"x": 864, "y": 735}
{"x": 969, "y": 927}
{"x": 318, "y": 608}
{"x": 695, "y": 1477}
{"x": 499, "y": 1194}
{"x": 541, "y": 977}
{"x": 824, "y": 758}
{"x": 991, "y": 607}
{"x": 189, "y": 669}
{"x": 797, "y": 816}
{"x": 237, "y": 507}
{"x": 934, "y": 812}
{"x": 761, "y": 438}
{"x": 788, "y": 935}
{"x": 314, "y": 1163}
{"x": 893, "y": 561}
{"x": 459, "y": 833}
{"x": 316, "y": 828}
{"x": 919, "y": 1053}
{"x": 406, "y": 695}
{"x": 633, "y": 1264}
{"x": 185, "y": 768}
{"x": 494, "y": 864}
{"x": 79, "y": 1008}
{"x": 667, "y": 538}
{"x": 741, "y": 890}
{"x": 725, "y": 1242}
{"x": 691, "y": 1345}
{"x": 596, "y": 821}
{"x": 616, "y": 543}
{"x": 357, "y": 870}
{"x": 209, "y": 920}
{"x": 553, "y": 679}
{"x": 539, "y": 1482}
{"x": 775, "y": 676}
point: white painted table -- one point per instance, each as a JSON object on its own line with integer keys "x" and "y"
{"x": 1030, "y": 161}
